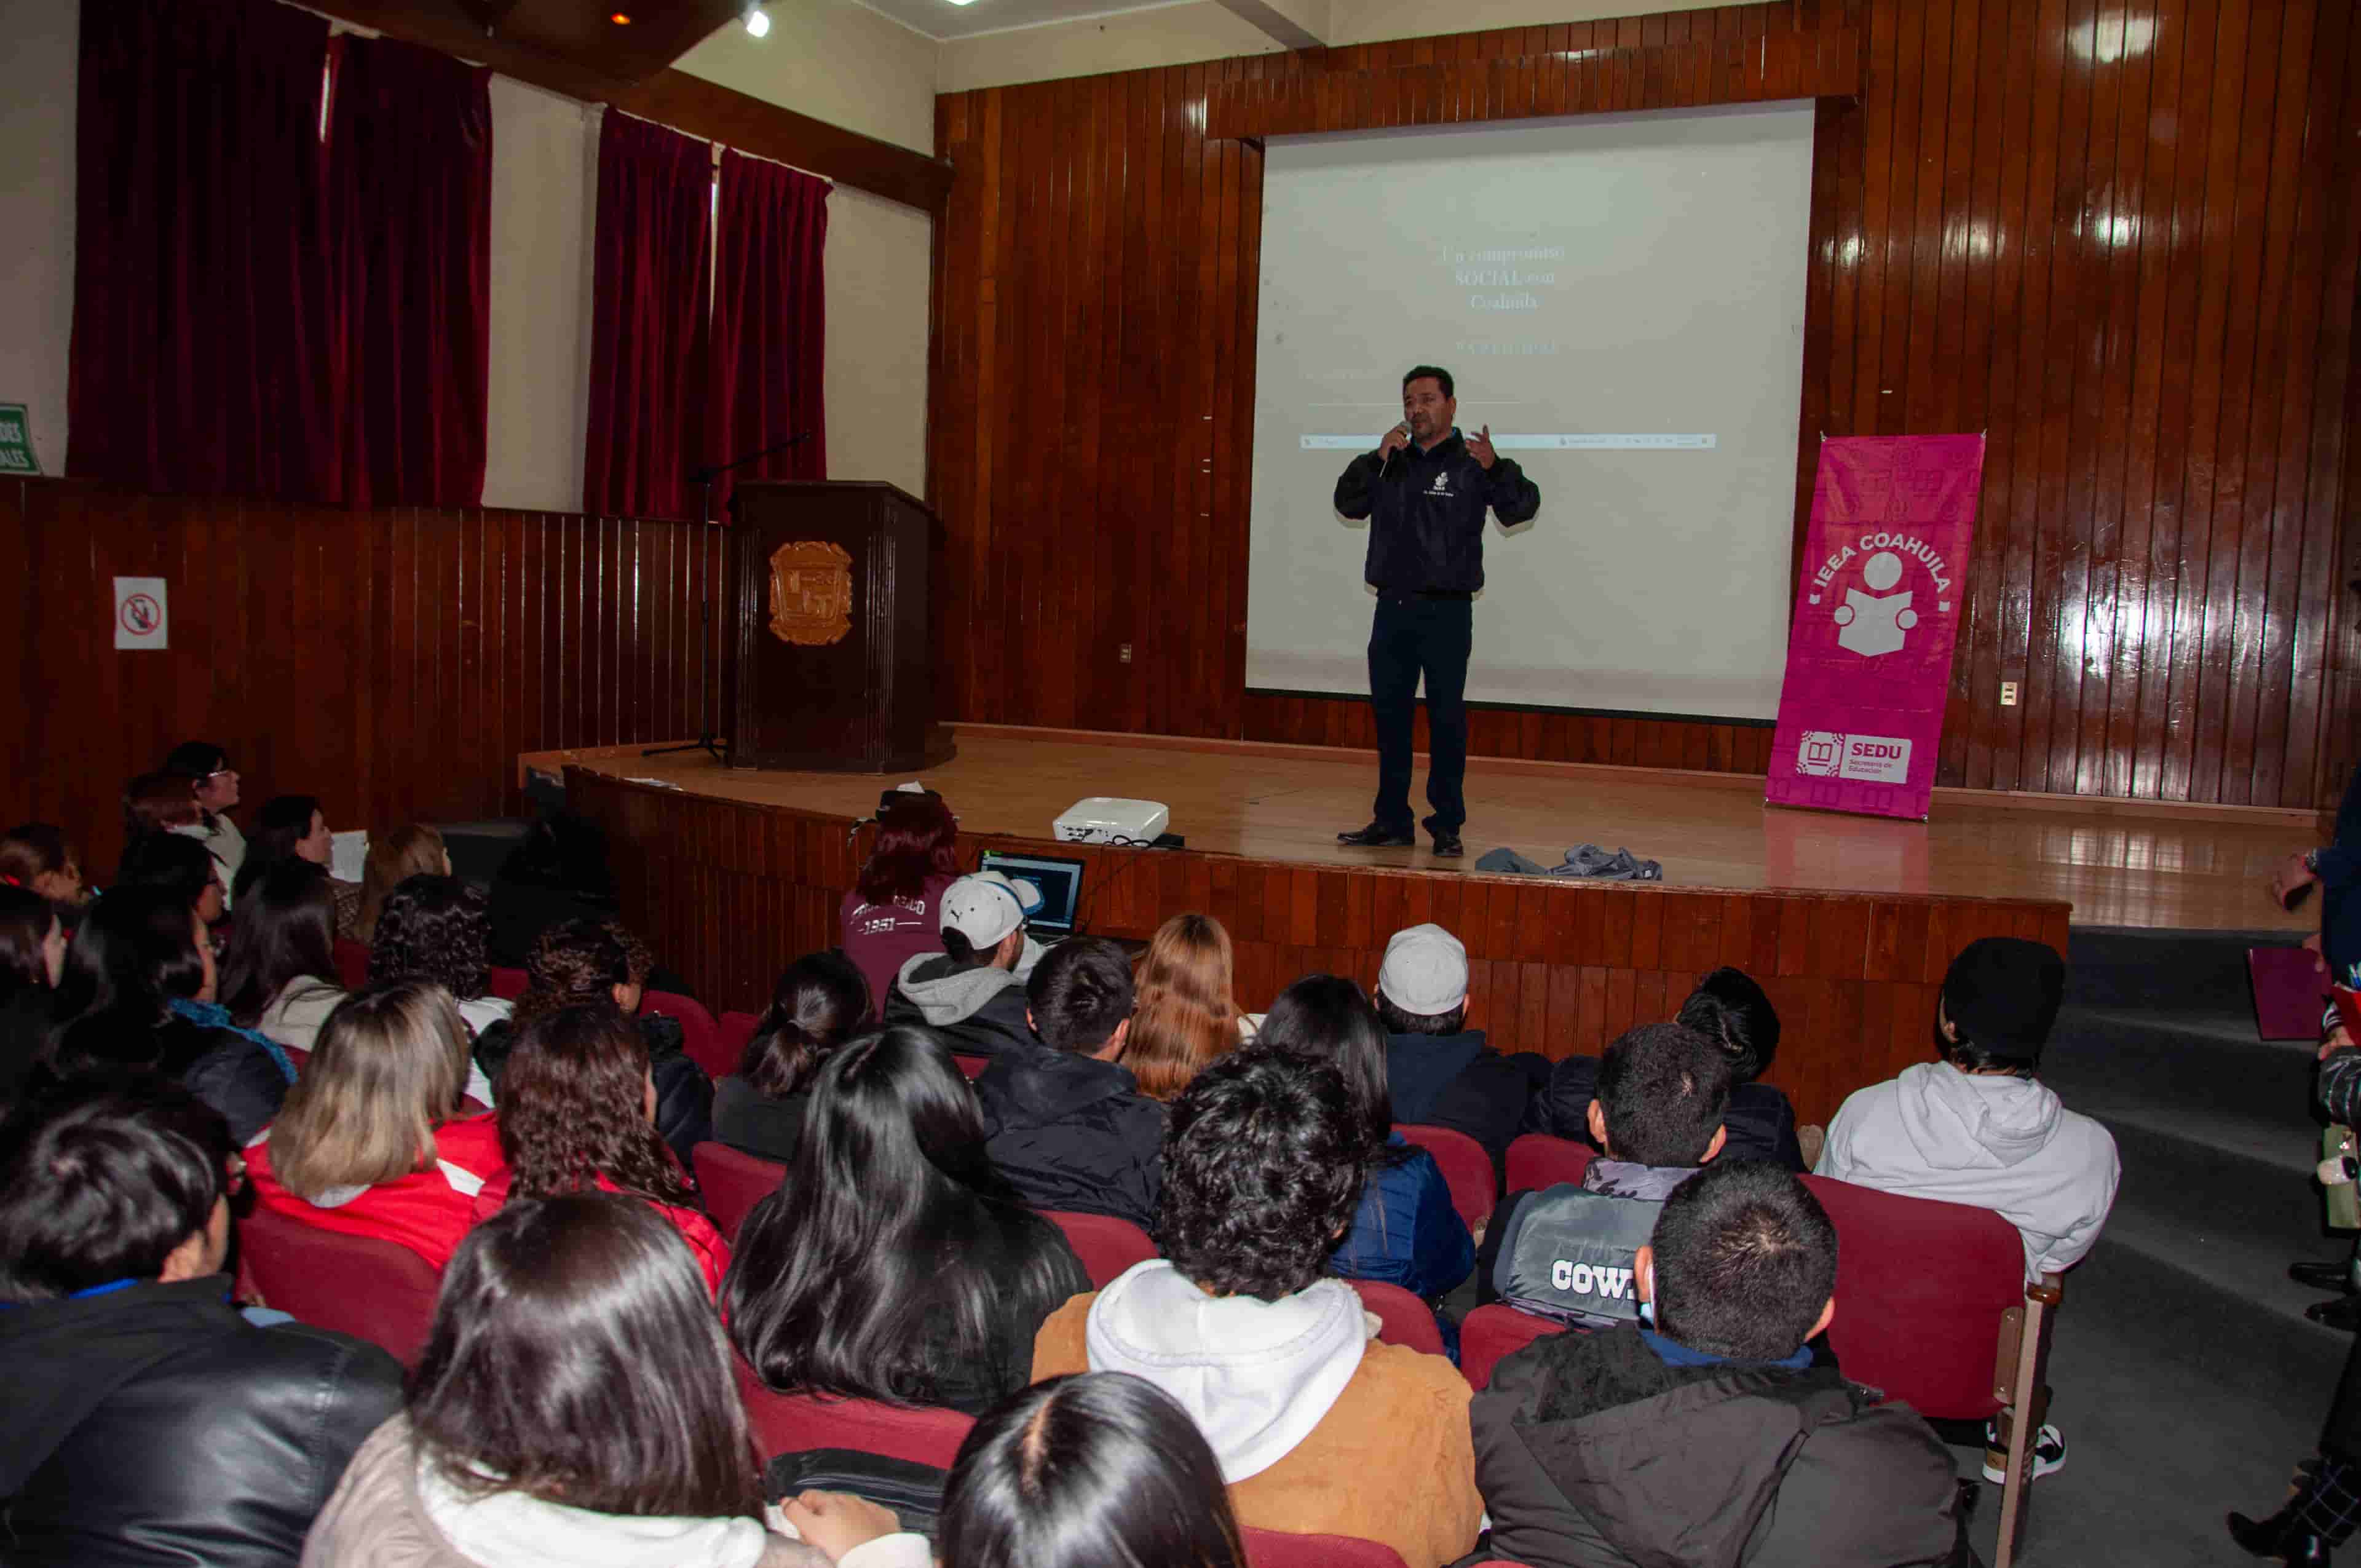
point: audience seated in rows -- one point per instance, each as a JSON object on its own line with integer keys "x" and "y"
{"x": 599, "y": 961}
{"x": 373, "y": 1140}
{"x": 557, "y": 873}
{"x": 820, "y": 1002}
{"x": 32, "y": 959}
{"x": 577, "y": 1111}
{"x": 414, "y": 849}
{"x": 1405, "y": 1231}
{"x": 214, "y": 785}
{"x": 137, "y": 996}
{"x": 1566, "y": 1252}
{"x": 893, "y": 913}
{"x": 1439, "y": 1071}
{"x": 1084, "y": 1471}
{"x": 574, "y": 1404}
{"x": 1318, "y": 1427}
{"x": 293, "y": 828}
{"x": 36, "y": 857}
{"x": 181, "y": 866}
{"x": 1978, "y": 1127}
{"x": 1188, "y": 1015}
{"x": 1728, "y": 1008}
{"x": 971, "y": 993}
{"x": 892, "y": 1263}
{"x": 1711, "y": 1437}
{"x": 1066, "y": 1123}
{"x": 278, "y": 967}
{"x": 149, "y": 1421}
{"x": 435, "y": 929}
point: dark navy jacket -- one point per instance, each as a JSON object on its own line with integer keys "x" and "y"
{"x": 1761, "y": 1120}
{"x": 2340, "y": 887}
{"x": 1426, "y": 515}
{"x": 1457, "y": 1081}
{"x": 1406, "y": 1232}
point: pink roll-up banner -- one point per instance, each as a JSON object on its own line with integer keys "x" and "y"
{"x": 1877, "y": 611}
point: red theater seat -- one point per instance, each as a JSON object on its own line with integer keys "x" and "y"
{"x": 508, "y": 984}
{"x": 376, "y": 1290}
{"x": 700, "y": 1036}
{"x": 352, "y": 963}
{"x": 1537, "y": 1160}
{"x": 1403, "y": 1318}
{"x": 1105, "y": 1244}
{"x": 1489, "y": 1333}
{"x": 790, "y": 1423}
{"x": 1278, "y": 1548}
{"x": 736, "y": 1029}
{"x": 1466, "y": 1168}
{"x": 733, "y": 1183}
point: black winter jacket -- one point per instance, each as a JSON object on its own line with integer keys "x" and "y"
{"x": 1592, "y": 1453}
{"x": 1761, "y": 1120}
{"x": 976, "y": 1012}
{"x": 1426, "y": 514}
{"x": 155, "y": 1425}
{"x": 1458, "y": 1082}
{"x": 1070, "y": 1132}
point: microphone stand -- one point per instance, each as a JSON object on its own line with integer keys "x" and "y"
{"x": 704, "y": 476}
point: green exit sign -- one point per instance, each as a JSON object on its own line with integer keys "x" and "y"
{"x": 16, "y": 441}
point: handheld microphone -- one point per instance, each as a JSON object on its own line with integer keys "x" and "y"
{"x": 1389, "y": 455}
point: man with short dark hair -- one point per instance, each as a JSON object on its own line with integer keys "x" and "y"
{"x": 1425, "y": 489}
{"x": 1441, "y": 1072}
{"x": 1710, "y": 1436}
{"x": 148, "y": 1421}
{"x": 1567, "y": 1251}
{"x": 972, "y": 994}
{"x": 1066, "y": 1123}
{"x": 1319, "y": 1428}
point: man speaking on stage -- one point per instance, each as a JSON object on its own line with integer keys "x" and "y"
{"x": 1424, "y": 491}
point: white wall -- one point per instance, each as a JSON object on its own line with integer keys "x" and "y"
{"x": 37, "y": 196}
{"x": 544, "y": 181}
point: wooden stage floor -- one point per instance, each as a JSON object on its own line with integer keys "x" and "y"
{"x": 2117, "y": 864}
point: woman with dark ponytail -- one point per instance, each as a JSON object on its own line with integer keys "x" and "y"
{"x": 819, "y": 1002}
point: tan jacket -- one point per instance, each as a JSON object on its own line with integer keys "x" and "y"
{"x": 1392, "y": 1461}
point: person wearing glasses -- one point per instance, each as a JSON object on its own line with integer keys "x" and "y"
{"x": 207, "y": 767}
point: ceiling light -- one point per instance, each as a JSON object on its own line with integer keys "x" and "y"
{"x": 621, "y": 18}
{"x": 962, "y": 2}
{"x": 758, "y": 21}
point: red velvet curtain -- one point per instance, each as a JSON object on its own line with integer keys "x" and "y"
{"x": 649, "y": 337}
{"x": 410, "y": 207}
{"x": 769, "y": 323}
{"x": 202, "y": 330}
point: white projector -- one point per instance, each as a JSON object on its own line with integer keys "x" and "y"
{"x": 1106, "y": 819}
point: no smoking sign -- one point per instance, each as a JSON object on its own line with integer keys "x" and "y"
{"x": 141, "y": 618}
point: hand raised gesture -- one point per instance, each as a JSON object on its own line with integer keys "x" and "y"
{"x": 1479, "y": 448}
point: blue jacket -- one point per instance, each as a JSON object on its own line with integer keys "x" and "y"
{"x": 1406, "y": 1232}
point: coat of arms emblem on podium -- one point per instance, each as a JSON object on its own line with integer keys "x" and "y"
{"x": 811, "y": 593}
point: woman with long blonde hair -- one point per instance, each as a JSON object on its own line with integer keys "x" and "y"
{"x": 374, "y": 1139}
{"x": 416, "y": 849}
{"x": 1187, "y": 1016}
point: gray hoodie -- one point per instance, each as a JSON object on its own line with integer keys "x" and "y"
{"x": 1991, "y": 1141}
{"x": 976, "y": 1012}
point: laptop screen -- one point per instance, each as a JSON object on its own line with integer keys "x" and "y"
{"x": 1060, "y": 880}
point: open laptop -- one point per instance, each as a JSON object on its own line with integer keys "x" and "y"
{"x": 1060, "y": 880}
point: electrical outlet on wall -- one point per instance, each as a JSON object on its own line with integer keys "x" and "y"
{"x": 1123, "y": 653}
{"x": 2008, "y": 694}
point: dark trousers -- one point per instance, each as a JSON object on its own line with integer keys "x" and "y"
{"x": 1410, "y": 638}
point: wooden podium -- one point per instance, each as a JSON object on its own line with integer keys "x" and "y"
{"x": 833, "y": 628}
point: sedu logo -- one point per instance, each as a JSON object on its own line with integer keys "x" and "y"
{"x": 1868, "y": 758}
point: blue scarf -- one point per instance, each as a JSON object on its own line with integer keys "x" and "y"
{"x": 1673, "y": 1354}
{"x": 213, "y": 1016}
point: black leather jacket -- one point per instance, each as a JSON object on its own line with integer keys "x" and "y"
{"x": 155, "y": 1425}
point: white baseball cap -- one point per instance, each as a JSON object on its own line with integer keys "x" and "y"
{"x": 1425, "y": 971}
{"x": 987, "y": 905}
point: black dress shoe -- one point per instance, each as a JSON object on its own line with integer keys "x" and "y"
{"x": 1378, "y": 836}
{"x": 1447, "y": 845}
{"x": 2322, "y": 1276}
{"x": 2279, "y": 1536}
{"x": 2343, "y": 1312}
